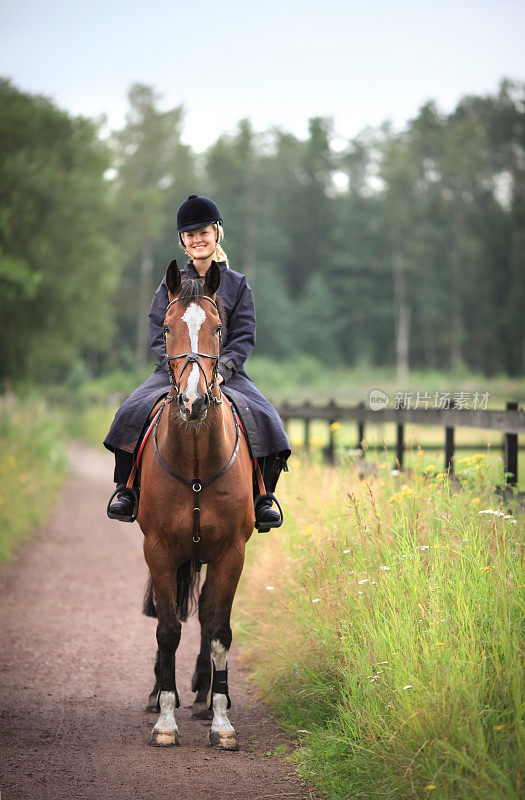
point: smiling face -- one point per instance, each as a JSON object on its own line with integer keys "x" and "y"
{"x": 200, "y": 244}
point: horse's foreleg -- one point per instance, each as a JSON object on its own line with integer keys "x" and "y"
{"x": 153, "y": 699}
{"x": 201, "y": 680}
{"x": 165, "y": 732}
{"x": 223, "y": 579}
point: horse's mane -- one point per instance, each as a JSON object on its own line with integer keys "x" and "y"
{"x": 193, "y": 289}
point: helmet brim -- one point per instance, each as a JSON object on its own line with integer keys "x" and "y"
{"x": 193, "y": 226}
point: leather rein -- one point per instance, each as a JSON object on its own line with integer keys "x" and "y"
{"x": 197, "y": 484}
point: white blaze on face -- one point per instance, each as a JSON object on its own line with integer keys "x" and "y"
{"x": 194, "y": 316}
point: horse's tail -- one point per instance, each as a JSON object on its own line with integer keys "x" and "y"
{"x": 187, "y": 590}
{"x": 187, "y": 593}
{"x": 148, "y": 606}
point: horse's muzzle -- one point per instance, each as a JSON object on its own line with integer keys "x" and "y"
{"x": 196, "y": 411}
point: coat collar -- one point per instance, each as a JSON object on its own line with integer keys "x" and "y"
{"x": 189, "y": 268}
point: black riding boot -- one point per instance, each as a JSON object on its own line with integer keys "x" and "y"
{"x": 267, "y": 517}
{"x": 122, "y": 503}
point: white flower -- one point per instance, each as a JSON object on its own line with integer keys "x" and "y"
{"x": 360, "y": 592}
{"x": 408, "y": 686}
{"x": 364, "y": 580}
{"x": 316, "y": 600}
{"x": 270, "y": 588}
{"x": 383, "y": 662}
{"x": 395, "y": 472}
{"x": 424, "y": 547}
{"x": 384, "y": 567}
{"x": 345, "y": 552}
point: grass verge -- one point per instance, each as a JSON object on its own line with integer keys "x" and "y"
{"x": 384, "y": 624}
{"x": 32, "y": 469}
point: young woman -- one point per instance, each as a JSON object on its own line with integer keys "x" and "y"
{"x": 199, "y": 225}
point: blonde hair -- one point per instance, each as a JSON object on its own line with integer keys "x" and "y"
{"x": 220, "y": 254}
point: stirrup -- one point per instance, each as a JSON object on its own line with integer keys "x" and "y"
{"x": 264, "y": 527}
{"x": 134, "y": 513}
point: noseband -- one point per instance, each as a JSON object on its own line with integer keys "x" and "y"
{"x": 193, "y": 358}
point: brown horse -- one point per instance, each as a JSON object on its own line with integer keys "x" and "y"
{"x": 196, "y": 506}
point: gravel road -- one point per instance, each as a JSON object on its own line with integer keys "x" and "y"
{"x": 76, "y": 665}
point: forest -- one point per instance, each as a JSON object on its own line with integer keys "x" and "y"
{"x": 392, "y": 247}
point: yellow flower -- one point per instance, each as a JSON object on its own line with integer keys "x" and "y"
{"x": 475, "y": 500}
{"x": 11, "y": 460}
{"x": 487, "y": 568}
{"x": 22, "y": 478}
{"x": 430, "y": 468}
{"x": 429, "y": 787}
{"x": 500, "y": 727}
{"x": 289, "y": 605}
{"x": 335, "y": 426}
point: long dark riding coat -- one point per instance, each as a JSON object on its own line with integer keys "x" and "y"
{"x": 261, "y": 421}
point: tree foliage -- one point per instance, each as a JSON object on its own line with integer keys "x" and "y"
{"x": 396, "y": 247}
{"x": 57, "y": 270}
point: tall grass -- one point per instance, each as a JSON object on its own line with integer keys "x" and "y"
{"x": 32, "y": 468}
{"x": 384, "y": 622}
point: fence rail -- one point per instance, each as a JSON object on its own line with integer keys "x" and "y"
{"x": 510, "y": 422}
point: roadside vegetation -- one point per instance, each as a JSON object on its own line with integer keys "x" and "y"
{"x": 384, "y": 624}
{"x": 32, "y": 469}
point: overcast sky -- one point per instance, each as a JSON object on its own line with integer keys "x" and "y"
{"x": 277, "y": 63}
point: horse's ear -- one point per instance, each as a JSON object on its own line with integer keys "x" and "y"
{"x": 212, "y": 280}
{"x": 173, "y": 279}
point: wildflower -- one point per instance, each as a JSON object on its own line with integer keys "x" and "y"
{"x": 289, "y": 605}
{"x": 440, "y": 644}
{"x": 383, "y": 662}
{"x": 364, "y": 580}
{"x": 424, "y": 547}
{"x": 487, "y": 568}
{"x": 384, "y": 567}
{"x": 500, "y": 727}
{"x": 22, "y": 478}
{"x": 408, "y": 686}
{"x": 316, "y": 600}
{"x": 345, "y": 552}
{"x": 429, "y": 787}
{"x": 335, "y": 426}
{"x": 395, "y": 472}
{"x": 360, "y": 592}
{"x": 270, "y": 588}
{"x": 475, "y": 501}
{"x": 430, "y": 468}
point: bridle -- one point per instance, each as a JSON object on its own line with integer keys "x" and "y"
{"x": 193, "y": 358}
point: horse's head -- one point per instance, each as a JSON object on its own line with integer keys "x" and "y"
{"x": 192, "y": 331}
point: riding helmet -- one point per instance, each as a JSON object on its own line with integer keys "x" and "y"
{"x": 197, "y": 212}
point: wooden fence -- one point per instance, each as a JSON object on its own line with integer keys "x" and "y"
{"x": 510, "y": 422}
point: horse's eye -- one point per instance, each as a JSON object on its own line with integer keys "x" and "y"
{"x": 166, "y": 329}
{"x": 219, "y": 329}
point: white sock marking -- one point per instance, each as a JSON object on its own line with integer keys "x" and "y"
{"x": 220, "y": 701}
{"x": 166, "y": 721}
{"x": 194, "y": 316}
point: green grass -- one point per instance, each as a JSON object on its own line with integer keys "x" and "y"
{"x": 32, "y": 469}
{"x": 384, "y": 623}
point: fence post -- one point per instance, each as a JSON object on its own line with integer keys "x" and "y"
{"x": 306, "y": 441}
{"x": 329, "y": 453}
{"x": 361, "y": 433}
{"x": 400, "y": 446}
{"x": 449, "y": 447}
{"x": 510, "y": 451}
{"x": 284, "y": 417}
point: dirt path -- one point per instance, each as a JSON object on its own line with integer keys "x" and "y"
{"x": 76, "y": 664}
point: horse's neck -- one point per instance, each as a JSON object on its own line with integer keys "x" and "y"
{"x": 198, "y": 449}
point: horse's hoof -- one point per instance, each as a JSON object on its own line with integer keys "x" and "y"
{"x": 164, "y": 738}
{"x": 223, "y": 740}
{"x": 201, "y": 711}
